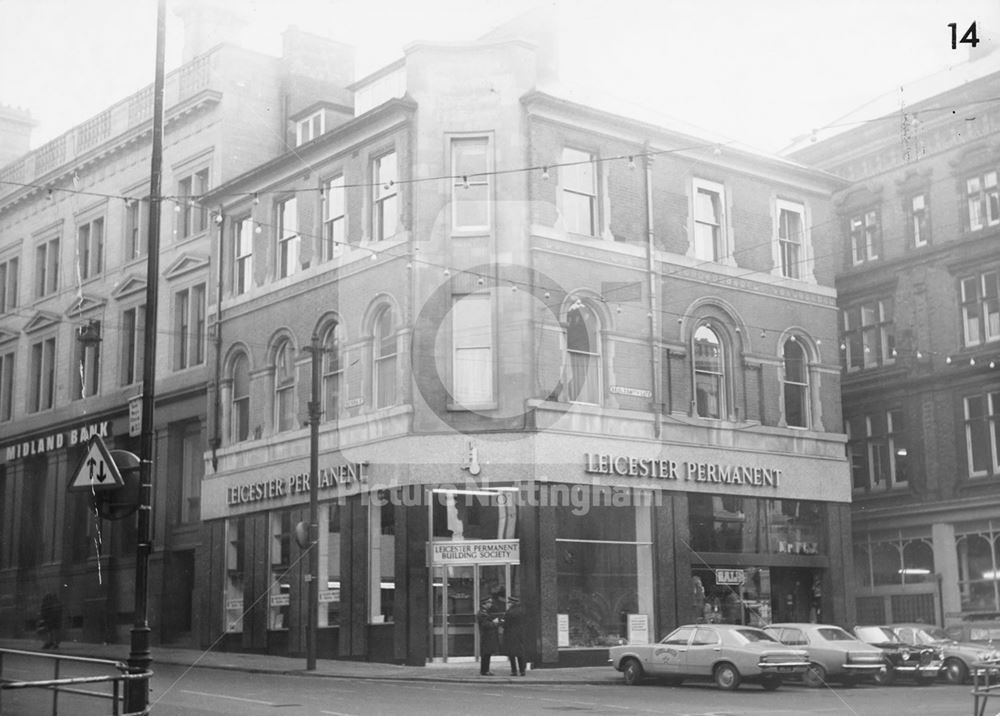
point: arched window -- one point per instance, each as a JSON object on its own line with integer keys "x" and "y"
{"x": 284, "y": 387}
{"x": 239, "y": 421}
{"x": 384, "y": 363}
{"x": 332, "y": 373}
{"x": 709, "y": 373}
{"x": 583, "y": 353}
{"x": 796, "y": 384}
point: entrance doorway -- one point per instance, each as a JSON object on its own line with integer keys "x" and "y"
{"x": 456, "y": 592}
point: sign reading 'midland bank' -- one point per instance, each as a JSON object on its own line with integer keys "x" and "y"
{"x": 660, "y": 469}
{"x": 56, "y": 441}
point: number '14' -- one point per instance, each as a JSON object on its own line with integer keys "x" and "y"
{"x": 969, "y": 37}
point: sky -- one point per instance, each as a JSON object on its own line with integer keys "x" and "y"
{"x": 756, "y": 72}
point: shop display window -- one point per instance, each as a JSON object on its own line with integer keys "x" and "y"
{"x": 979, "y": 571}
{"x": 329, "y": 565}
{"x": 746, "y": 525}
{"x": 490, "y": 513}
{"x": 382, "y": 559}
{"x": 279, "y": 596}
{"x": 233, "y": 597}
{"x": 604, "y": 571}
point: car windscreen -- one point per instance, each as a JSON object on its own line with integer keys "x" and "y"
{"x": 834, "y": 634}
{"x": 929, "y": 636}
{"x": 753, "y": 635}
{"x": 875, "y": 634}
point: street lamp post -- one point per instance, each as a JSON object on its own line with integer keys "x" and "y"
{"x": 315, "y": 411}
{"x": 139, "y": 658}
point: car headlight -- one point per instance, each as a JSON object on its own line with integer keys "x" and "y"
{"x": 904, "y": 654}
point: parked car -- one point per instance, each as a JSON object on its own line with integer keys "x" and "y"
{"x": 978, "y": 632}
{"x": 923, "y": 663}
{"x": 834, "y": 655}
{"x": 726, "y": 653}
{"x": 960, "y": 658}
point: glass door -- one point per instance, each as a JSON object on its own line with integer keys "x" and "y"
{"x": 456, "y": 592}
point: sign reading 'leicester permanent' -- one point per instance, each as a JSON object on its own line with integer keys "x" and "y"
{"x": 497, "y": 551}
{"x": 661, "y": 469}
{"x": 329, "y": 478}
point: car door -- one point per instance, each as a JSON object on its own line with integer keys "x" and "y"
{"x": 668, "y": 656}
{"x": 704, "y": 650}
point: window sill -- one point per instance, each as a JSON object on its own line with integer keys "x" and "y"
{"x": 471, "y": 407}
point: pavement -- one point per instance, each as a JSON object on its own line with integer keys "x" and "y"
{"x": 329, "y": 668}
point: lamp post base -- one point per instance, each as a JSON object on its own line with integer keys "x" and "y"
{"x": 139, "y": 659}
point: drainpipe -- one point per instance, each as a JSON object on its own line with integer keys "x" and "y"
{"x": 217, "y": 436}
{"x": 654, "y": 355}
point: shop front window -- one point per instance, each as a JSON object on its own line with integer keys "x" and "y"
{"x": 486, "y": 514}
{"x": 235, "y": 545}
{"x": 724, "y": 523}
{"x": 279, "y": 597}
{"x": 604, "y": 570}
{"x": 329, "y": 565}
{"x": 979, "y": 571}
{"x": 382, "y": 560}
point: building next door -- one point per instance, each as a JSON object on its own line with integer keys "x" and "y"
{"x": 456, "y": 593}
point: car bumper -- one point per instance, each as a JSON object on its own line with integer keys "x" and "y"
{"x": 863, "y": 668}
{"x": 783, "y": 667}
{"x": 928, "y": 670}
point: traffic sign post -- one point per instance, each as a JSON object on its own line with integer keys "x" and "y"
{"x": 97, "y": 470}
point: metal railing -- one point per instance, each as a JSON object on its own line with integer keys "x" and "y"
{"x": 985, "y": 683}
{"x": 72, "y": 685}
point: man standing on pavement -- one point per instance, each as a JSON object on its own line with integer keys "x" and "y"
{"x": 489, "y": 636}
{"x": 514, "y": 636}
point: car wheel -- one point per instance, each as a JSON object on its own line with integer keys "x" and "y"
{"x": 885, "y": 676}
{"x": 771, "y": 683}
{"x": 955, "y": 671}
{"x": 632, "y": 671}
{"x": 815, "y": 676}
{"x": 727, "y": 676}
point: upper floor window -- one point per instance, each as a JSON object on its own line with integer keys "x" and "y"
{"x": 791, "y": 238}
{"x": 136, "y": 228}
{"x": 6, "y": 386}
{"x": 579, "y": 191}
{"x": 470, "y": 192}
{"x": 334, "y": 218}
{"x": 983, "y": 201}
{"x": 333, "y": 372}
{"x": 472, "y": 346}
{"x": 709, "y": 220}
{"x": 192, "y": 216}
{"x": 42, "y": 376}
{"x": 189, "y": 327}
{"x": 9, "y": 276}
{"x": 869, "y": 335}
{"x": 877, "y": 449}
{"x": 795, "y": 384}
{"x": 865, "y": 236}
{"x": 239, "y": 418}
{"x": 309, "y": 128}
{"x": 385, "y": 218}
{"x": 982, "y": 433}
{"x": 981, "y": 308}
{"x": 47, "y": 267}
{"x": 288, "y": 237}
{"x": 87, "y": 364}
{"x": 90, "y": 248}
{"x": 919, "y": 220}
{"x": 133, "y": 337}
{"x": 384, "y": 363}
{"x": 284, "y": 387}
{"x": 583, "y": 353}
{"x": 242, "y": 255}
{"x": 709, "y": 373}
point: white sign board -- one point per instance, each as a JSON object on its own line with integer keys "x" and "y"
{"x": 562, "y": 629}
{"x": 135, "y": 416}
{"x": 96, "y": 471}
{"x": 638, "y": 628}
{"x": 729, "y": 576}
{"x": 497, "y": 551}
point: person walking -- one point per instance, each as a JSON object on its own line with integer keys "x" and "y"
{"x": 51, "y": 618}
{"x": 515, "y": 637}
{"x": 489, "y": 636}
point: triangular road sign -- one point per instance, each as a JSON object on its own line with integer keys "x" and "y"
{"x": 97, "y": 471}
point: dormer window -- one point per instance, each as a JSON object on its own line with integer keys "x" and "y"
{"x": 309, "y": 128}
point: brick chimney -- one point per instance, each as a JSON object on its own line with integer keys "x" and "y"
{"x": 208, "y": 23}
{"x": 15, "y": 133}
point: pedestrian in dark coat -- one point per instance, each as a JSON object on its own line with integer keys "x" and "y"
{"x": 51, "y": 618}
{"x": 515, "y": 637}
{"x": 489, "y": 636}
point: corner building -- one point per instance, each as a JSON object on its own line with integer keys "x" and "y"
{"x": 565, "y": 355}
{"x": 74, "y": 216}
{"x": 918, "y": 284}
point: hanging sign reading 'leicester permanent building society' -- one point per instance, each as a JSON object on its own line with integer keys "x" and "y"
{"x": 494, "y": 551}
{"x": 661, "y": 469}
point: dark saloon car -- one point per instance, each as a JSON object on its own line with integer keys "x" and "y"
{"x": 922, "y": 663}
{"x": 960, "y": 658}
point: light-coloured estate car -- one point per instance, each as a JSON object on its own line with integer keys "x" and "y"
{"x": 728, "y": 654}
{"x": 960, "y": 658}
{"x": 834, "y": 655}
